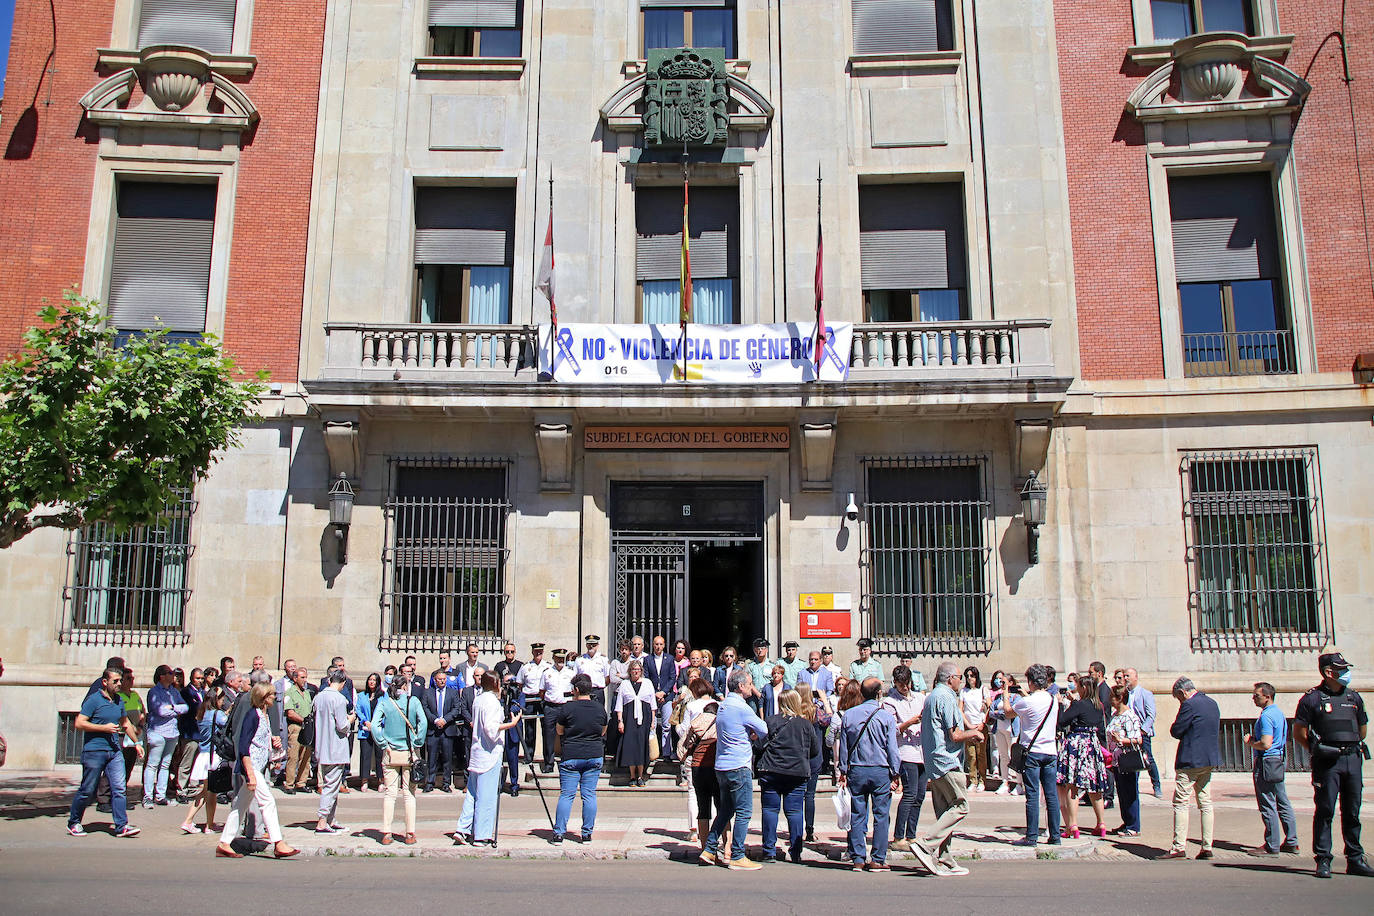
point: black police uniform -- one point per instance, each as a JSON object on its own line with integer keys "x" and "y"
{"x": 512, "y": 737}
{"x": 1334, "y": 721}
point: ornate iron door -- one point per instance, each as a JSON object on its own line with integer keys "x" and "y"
{"x": 651, "y": 589}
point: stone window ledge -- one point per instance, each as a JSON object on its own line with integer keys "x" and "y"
{"x": 226, "y": 64}
{"x": 1274, "y": 47}
{"x": 469, "y": 66}
{"x": 927, "y": 61}
{"x": 633, "y": 68}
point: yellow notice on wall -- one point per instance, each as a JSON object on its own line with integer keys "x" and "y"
{"x": 825, "y": 601}
{"x": 551, "y": 598}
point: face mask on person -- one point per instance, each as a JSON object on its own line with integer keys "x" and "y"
{"x": 997, "y": 682}
{"x": 1345, "y": 676}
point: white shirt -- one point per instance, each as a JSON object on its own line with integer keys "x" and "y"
{"x": 557, "y": 684}
{"x": 486, "y": 733}
{"x": 635, "y": 697}
{"x": 834, "y": 669}
{"x": 1031, "y": 710}
{"x": 909, "y": 738}
{"x": 597, "y": 667}
{"x": 531, "y": 677}
{"x": 971, "y": 704}
{"x": 620, "y": 671}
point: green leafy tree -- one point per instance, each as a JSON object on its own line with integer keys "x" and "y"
{"x": 94, "y": 432}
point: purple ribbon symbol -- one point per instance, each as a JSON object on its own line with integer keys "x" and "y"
{"x": 564, "y": 341}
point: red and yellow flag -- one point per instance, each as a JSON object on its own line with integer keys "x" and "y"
{"x": 686, "y": 275}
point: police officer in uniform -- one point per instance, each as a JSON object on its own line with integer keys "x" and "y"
{"x": 557, "y": 688}
{"x": 1331, "y": 720}
{"x": 531, "y": 683}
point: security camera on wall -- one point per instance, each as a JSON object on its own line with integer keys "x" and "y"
{"x": 851, "y": 511}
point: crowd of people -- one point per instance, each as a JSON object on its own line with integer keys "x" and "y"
{"x": 218, "y": 734}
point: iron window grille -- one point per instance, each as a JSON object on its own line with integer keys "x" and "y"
{"x": 445, "y": 553}
{"x": 130, "y": 588}
{"x": 927, "y": 559}
{"x": 69, "y": 740}
{"x": 1237, "y": 758}
{"x": 1257, "y": 567}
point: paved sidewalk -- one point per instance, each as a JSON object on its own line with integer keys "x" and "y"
{"x": 633, "y": 825}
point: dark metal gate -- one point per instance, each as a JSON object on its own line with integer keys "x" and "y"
{"x": 651, "y": 589}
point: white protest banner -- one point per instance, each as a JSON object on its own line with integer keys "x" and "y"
{"x": 652, "y": 354}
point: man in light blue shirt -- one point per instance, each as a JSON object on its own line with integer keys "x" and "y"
{"x": 735, "y": 725}
{"x": 942, "y": 739}
{"x": 1142, "y": 703}
{"x": 869, "y": 765}
{"x": 865, "y": 665}
{"x": 816, "y": 676}
{"x": 761, "y": 667}
{"x": 1268, "y": 740}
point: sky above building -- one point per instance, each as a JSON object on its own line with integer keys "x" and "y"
{"x": 6, "y": 26}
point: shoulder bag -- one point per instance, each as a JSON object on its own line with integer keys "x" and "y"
{"x": 1017, "y": 764}
{"x": 392, "y": 757}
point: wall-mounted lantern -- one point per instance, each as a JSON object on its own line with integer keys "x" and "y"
{"x": 341, "y": 513}
{"x": 1034, "y": 498}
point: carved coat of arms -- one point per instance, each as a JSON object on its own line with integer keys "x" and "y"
{"x": 686, "y": 97}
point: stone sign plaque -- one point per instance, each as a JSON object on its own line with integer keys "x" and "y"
{"x": 687, "y": 438}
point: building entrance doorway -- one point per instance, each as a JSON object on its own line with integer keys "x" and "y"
{"x": 688, "y": 562}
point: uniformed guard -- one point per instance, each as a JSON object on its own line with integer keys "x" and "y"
{"x": 531, "y": 683}
{"x": 596, "y": 666}
{"x": 1331, "y": 720}
{"x": 557, "y": 688}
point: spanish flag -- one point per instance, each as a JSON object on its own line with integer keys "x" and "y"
{"x": 686, "y": 276}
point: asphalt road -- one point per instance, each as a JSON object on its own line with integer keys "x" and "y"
{"x": 119, "y": 877}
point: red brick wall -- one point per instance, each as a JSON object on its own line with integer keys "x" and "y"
{"x": 1336, "y": 219}
{"x": 45, "y": 208}
{"x": 1113, "y": 245}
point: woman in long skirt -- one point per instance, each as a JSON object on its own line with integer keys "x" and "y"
{"x": 634, "y": 702}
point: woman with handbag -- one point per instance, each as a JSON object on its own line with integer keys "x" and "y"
{"x": 698, "y": 691}
{"x": 1082, "y": 765}
{"x": 1125, "y": 745}
{"x": 209, "y": 716}
{"x": 254, "y": 753}
{"x": 398, "y": 728}
{"x": 369, "y": 752}
{"x": 697, "y": 752}
{"x": 784, "y": 768}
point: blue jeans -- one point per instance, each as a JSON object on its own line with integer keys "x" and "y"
{"x": 1275, "y": 810}
{"x": 1041, "y": 773}
{"x": 869, "y": 786}
{"x": 788, "y": 794}
{"x": 809, "y": 805}
{"x": 1150, "y": 765}
{"x": 1128, "y": 791}
{"x": 736, "y": 801}
{"x": 479, "y": 807}
{"x": 574, "y": 777}
{"x": 156, "y": 766}
{"x": 913, "y": 795}
{"x": 94, "y": 763}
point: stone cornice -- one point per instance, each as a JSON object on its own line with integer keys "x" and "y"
{"x": 228, "y": 64}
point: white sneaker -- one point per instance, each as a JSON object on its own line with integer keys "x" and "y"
{"x": 1003, "y": 789}
{"x": 952, "y": 871}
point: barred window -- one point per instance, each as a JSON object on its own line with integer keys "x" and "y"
{"x": 130, "y": 587}
{"x": 1257, "y": 564}
{"x": 1236, "y": 757}
{"x": 927, "y": 563}
{"x": 70, "y": 742}
{"x": 445, "y": 561}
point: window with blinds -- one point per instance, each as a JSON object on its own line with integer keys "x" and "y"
{"x": 1175, "y": 19}
{"x": 160, "y": 271}
{"x": 927, "y": 554}
{"x": 204, "y": 24}
{"x": 130, "y": 587}
{"x": 1255, "y": 531}
{"x": 446, "y": 552}
{"x": 713, "y": 238}
{"x": 687, "y": 24}
{"x": 913, "y": 263}
{"x": 475, "y": 28}
{"x": 902, "y": 26}
{"x": 464, "y": 249}
{"x": 1227, "y": 265}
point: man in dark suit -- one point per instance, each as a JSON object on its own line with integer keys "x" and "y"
{"x": 1198, "y": 730}
{"x": 441, "y": 704}
{"x": 661, "y": 671}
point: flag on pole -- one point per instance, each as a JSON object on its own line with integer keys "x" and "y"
{"x": 686, "y": 275}
{"x": 820, "y": 280}
{"x": 544, "y": 283}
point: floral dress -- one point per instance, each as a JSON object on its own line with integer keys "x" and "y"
{"x": 1081, "y": 760}
{"x": 1123, "y": 731}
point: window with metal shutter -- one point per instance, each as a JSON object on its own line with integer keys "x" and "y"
{"x": 911, "y": 236}
{"x": 160, "y": 273}
{"x": 895, "y": 26}
{"x": 1223, "y": 227}
{"x": 474, "y": 14}
{"x": 682, "y": 4}
{"x": 204, "y": 24}
{"x": 713, "y": 223}
{"x": 470, "y": 226}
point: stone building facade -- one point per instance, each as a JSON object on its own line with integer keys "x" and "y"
{"x": 1005, "y": 202}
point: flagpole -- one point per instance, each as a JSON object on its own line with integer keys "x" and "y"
{"x": 820, "y": 283}
{"x": 685, "y": 284}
